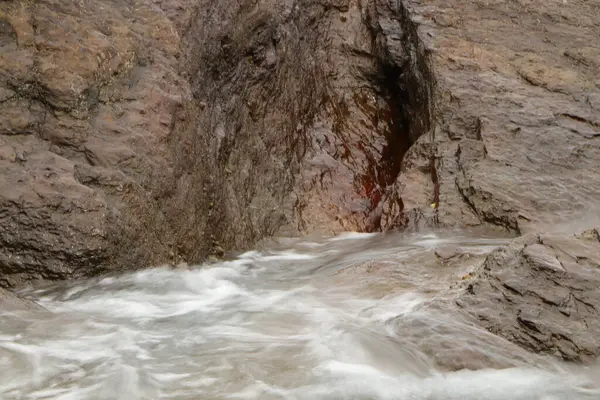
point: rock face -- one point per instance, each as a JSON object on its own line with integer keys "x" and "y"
{"x": 89, "y": 93}
{"x": 305, "y": 111}
{"x": 138, "y": 133}
{"x": 516, "y": 132}
{"x": 543, "y": 293}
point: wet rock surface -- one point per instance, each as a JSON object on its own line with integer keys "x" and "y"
{"x": 305, "y": 112}
{"x": 89, "y": 91}
{"x": 541, "y": 292}
{"x": 139, "y": 134}
{"x": 10, "y": 302}
{"x": 515, "y": 139}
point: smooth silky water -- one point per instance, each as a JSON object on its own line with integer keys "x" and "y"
{"x": 354, "y": 317}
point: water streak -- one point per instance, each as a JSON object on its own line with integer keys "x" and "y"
{"x": 354, "y": 317}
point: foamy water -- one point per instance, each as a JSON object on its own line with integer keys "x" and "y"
{"x": 354, "y": 317}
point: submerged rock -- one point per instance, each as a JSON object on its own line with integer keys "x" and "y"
{"x": 11, "y": 302}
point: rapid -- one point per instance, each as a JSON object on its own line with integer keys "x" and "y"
{"x": 358, "y": 316}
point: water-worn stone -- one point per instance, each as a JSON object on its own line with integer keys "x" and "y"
{"x": 543, "y": 293}
{"x": 10, "y": 302}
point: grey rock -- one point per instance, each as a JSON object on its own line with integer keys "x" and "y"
{"x": 542, "y": 293}
{"x": 10, "y": 302}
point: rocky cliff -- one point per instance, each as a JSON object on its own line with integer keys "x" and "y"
{"x": 150, "y": 132}
{"x": 138, "y": 133}
{"x": 90, "y": 94}
{"x": 515, "y": 138}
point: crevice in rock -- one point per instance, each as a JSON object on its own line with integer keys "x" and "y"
{"x": 436, "y": 187}
{"x": 271, "y": 138}
{"x": 385, "y": 170}
{"x": 408, "y": 85}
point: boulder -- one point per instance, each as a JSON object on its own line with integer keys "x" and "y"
{"x": 89, "y": 92}
{"x": 541, "y": 292}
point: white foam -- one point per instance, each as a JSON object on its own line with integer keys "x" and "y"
{"x": 513, "y": 383}
{"x": 228, "y": 331}
{"x": 352, "y": 236}
{"x": 166, "y": 377}
{"x": 251, "y": 254}
{"x": 311, "y": 245}
{"x": 51, "y": 393}
{"x": 393, "y": 306}
{"x": 286, "y": 255}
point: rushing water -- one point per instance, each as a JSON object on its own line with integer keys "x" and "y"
{"x": 354, "y": 317}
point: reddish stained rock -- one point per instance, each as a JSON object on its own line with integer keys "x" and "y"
{"x": 315, "y": 109}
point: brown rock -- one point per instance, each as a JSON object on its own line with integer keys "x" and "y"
{"x": 298, "y": 123}
{"x": 542, "y": 293}
{"x": 515, "y": 118}
{"x": 127, "y": 132}
{"x": 81, "y": 173}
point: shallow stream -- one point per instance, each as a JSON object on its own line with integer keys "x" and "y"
{"x": 353, "y": 317}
